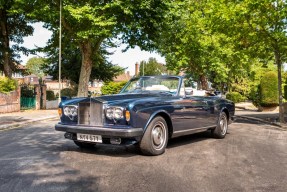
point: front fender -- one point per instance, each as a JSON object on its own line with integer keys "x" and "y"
{"x": 153, "y": 115}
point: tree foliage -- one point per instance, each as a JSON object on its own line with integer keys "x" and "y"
{"x": 89, "y": 25}
{"x": 7, "y": 85}
{"x": 35, "y": 66}
{"x": 221, "y": 41}
{"x": 13, "y": 27}
{"x": 102, "y": 69}
{"x": 151, "y": 67}
{"x": 112, "y": 87}
{"x": 194, "y": 42}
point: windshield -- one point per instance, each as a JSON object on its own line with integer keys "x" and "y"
{"x": 157, "y": 84}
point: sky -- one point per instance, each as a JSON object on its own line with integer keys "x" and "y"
{"x": 126, "y": 59}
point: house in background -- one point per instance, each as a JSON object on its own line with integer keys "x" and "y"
{"x": 96, "y": 85}
{"x": 53, "y": 85}
{"x": 123, "y": 77}
{"x": 19, "y": 74}
{"x": 31, "y": 79}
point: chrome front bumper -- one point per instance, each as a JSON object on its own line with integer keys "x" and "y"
{"x": 103, "y": 131}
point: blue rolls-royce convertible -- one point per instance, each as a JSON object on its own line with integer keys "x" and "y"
{"x": 147, "y": 112}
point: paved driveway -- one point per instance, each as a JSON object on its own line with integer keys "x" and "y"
{"x": 252, "y": 157}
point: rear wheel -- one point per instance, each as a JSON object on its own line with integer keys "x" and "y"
{"x": 84, "y": 145}
{"x": 155, "y": 138}
{"x": 222, "y": 126}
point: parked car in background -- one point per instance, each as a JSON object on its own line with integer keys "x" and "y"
{"x": 147, "y": 112}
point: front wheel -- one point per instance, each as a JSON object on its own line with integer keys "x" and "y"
{"x": 155, "y": 138}
{"x": 222, "y": 126}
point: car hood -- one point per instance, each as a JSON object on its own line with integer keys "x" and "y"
{"x": 113, "y": 99}
{"x": 125, "y": 97}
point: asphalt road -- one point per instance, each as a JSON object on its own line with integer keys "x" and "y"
{"x": 252, "y": 157}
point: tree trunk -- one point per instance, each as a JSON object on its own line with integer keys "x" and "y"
{"x": 86, "y": 69}
{"x": 279, "y": 66}
{"x": 203, "y": 82}
{"x": 5, "y": 43}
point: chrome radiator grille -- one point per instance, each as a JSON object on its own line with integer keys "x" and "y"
{"x": 90, "y": 113}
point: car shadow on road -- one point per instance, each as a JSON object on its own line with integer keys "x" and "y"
{"x": 109, "y": 150}
{"x": 133, "y": 150}
{"x": 251, "y": 121}
{"x": 189, "y": 139}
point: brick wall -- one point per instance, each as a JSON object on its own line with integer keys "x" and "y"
{"x": 10, "y": 102}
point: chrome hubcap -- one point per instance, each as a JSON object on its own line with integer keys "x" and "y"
{"x": 158, "y": 135}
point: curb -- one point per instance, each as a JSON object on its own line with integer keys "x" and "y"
{"x": 283, "y": 127}
{"x": 18, "y": 124}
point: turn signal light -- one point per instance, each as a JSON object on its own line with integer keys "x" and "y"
{"x": 60, "y": 112}
{"x": 128, "y": 116}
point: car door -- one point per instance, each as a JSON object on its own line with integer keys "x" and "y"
{"x": 193, "y": 112}
{"x": 202, "y": 113}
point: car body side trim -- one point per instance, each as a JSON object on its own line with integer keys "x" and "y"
{"x": 191, "y": 131}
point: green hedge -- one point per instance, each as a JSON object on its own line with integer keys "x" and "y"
{"x": 50, "y": 95}
{"x": 254, "y": 95}
{"x": 68, "y": 92}
{"x": 7, "y": 85}
{"x": 235, "y": 97}
{"x": 269, "y": 90}
{"x": 112, "y": 87}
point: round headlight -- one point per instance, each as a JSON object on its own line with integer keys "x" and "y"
{"x": 118, "y": 113}
{"x": 110, "y": 113}
{"x": 71, "y": 111}
{"x": 115, "y": 113}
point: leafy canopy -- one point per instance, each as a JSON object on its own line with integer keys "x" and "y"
{"x": 90, "y": 25}
{"x": 35, "y": 65}
{"x": 14, "y": 26}
{"x": 151, "y": 67}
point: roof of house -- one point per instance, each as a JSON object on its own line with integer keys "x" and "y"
{"x": 123, "y": 77}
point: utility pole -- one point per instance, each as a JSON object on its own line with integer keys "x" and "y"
{"x": 60, "y": 51}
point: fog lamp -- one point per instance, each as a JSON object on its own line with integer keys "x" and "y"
{"x": 115, "y": 141}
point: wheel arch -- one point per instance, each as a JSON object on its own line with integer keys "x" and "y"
{"x": 225, "y": 110}
{"x": 167, "y": 119}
